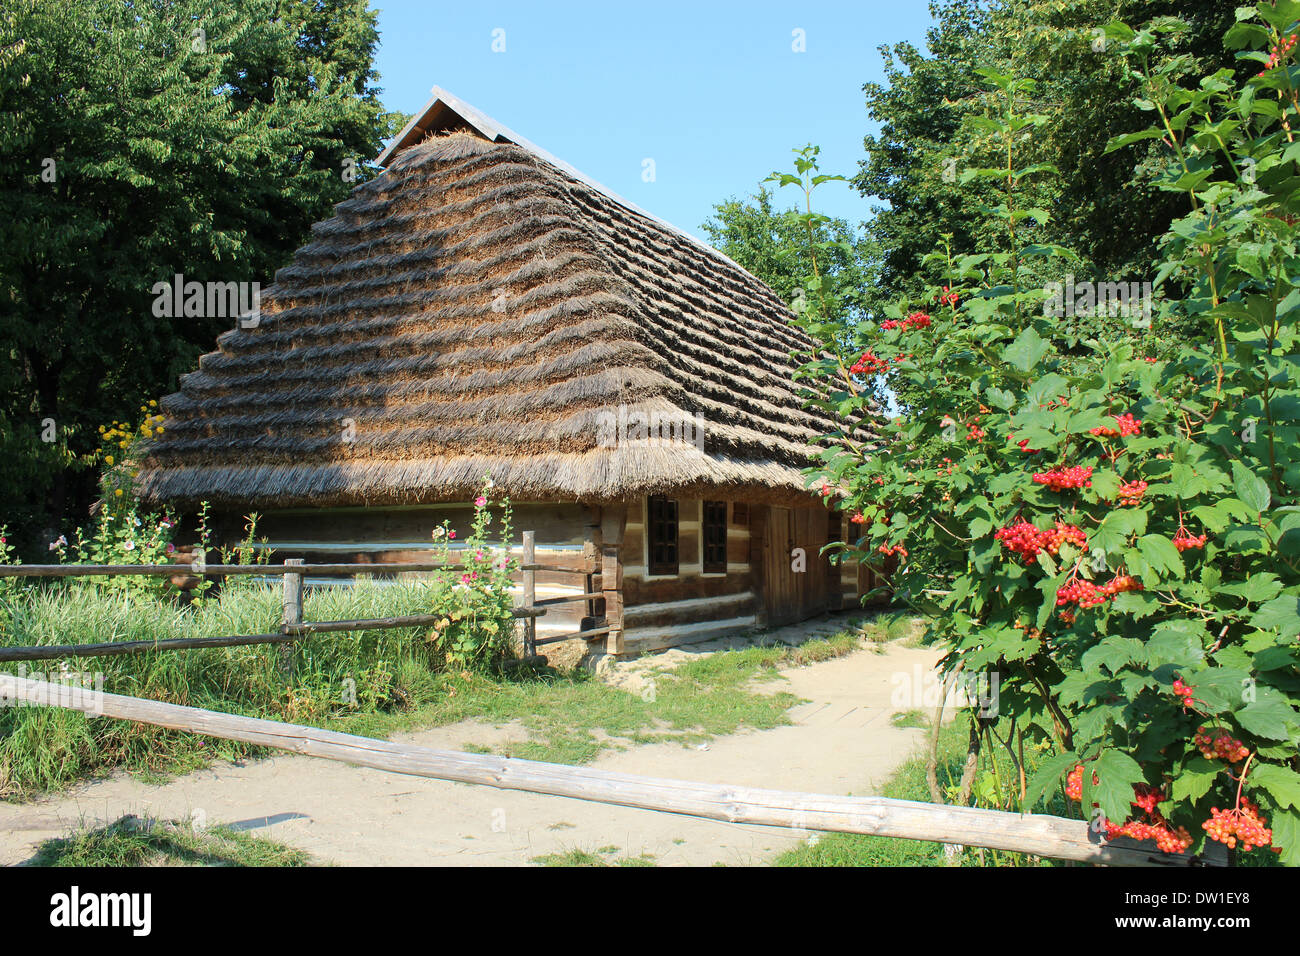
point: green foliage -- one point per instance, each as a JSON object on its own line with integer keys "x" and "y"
{"x": 771, "y": 245}
{"x": 1125, "y": 634}
{"x": 139, "y": 141}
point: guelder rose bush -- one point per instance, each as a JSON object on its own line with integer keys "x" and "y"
{"x": 1112, "y": 526}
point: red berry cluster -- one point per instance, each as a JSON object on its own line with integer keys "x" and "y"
{"x": 1242, "y": 824}
{"x": 1128, "y": 425}
{"x": 1183, "y": 541}
{"x": 1131, "y": 492}
{"x": 1220, "y": 745}
{"x": 1183, "y": 693}
{"x": 1059, "y": 479}
{"x": 917, "y": 320}
{"x": 870, "y": 364}
{"x": 1086, "y": 594}
{"x": 893, "y": 549}
{"x": 1278, "y": 53}
{"x": 973, "y": 431}
{"x": 1026, "y": 540}
{"x": 1024, "y": 445}
{"x": 949, "y": 297}
{"x": 1166, "y": 838}
{"x": 857, "y": 517}
{"x": 1074, "y": 783}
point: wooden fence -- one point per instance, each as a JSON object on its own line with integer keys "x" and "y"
{"x": 292, "y": 626}
{"x": 1038, "y": 834}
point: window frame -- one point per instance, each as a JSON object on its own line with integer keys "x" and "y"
{"x": 660, "y": 527}
{"x": 713, "y": 535}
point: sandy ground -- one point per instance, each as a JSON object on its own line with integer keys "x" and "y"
{"x": 841, "y": 741}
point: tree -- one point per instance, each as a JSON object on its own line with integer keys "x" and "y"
{"x": 1103, "y": 206}
{"x": 138, "y": 142}
{"x": 772, "y": 245}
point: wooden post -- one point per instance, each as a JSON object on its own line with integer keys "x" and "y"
{"x": 613, "y": 519}
{"x": 292, "y": 613}
{"x": 530, "y": 592}
{"x": 758, "y": 518}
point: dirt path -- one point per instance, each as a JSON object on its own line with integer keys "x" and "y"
{"x": 841, "y": 741}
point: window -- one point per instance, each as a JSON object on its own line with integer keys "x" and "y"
{"x": 740, "y": 513}
{"x": 662, "y": 531}
{"x": 713, "y": 536}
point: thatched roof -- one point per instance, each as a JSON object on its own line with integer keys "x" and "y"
{"x": 482, "y": 307}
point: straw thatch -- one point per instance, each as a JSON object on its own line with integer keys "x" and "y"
{"x": 476, "y": 309}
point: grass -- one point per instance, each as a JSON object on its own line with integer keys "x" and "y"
{"x": 908, "y": 783}
{"x": 910, "y": 718}
{"x": 132, "y": 842}
{"x": 576, "y": 857}
{"x": 371, "y": 671}
{"x": 372, "y": 684}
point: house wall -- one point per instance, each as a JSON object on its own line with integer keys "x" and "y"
{"x": 662, "y": 611}
{"x": 758, "y": 587}
{"x": 400, "y": 534}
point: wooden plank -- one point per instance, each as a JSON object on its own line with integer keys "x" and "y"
{"x": 530, "y": 591}
{"x": 613, "y": 519}
{"x": 318, "y": 570}
{"x": 292, "y": 613}
{"x": 1041, "y": 835}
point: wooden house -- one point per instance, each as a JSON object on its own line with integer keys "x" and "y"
{"x": 481, "y": 308}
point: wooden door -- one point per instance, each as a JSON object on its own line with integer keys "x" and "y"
{"x": 780, "y": 599}
{"x": 790, "y": 595}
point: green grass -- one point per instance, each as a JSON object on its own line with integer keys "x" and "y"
{"x": 577, "y": 857}
{"x": 131, "y": 842}
{"x": 908, "y": 783}
{"x": 910, "y": 718}
{"x": 372, "y": 684}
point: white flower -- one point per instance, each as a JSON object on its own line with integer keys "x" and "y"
{"x": 128, "y": 546}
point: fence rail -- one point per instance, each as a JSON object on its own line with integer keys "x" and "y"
{"x": 1041, "y": 835}
{"x": 292, "y": 626}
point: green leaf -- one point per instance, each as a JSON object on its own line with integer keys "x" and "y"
{"x": 1286, "y": 835}
{"x": 1283, "y": 785}
{"x": 1026, "y": 351}
{"x": 1269, "y": 716}
{"x": 1283, "y": 613}
{"x": 1117, "y": 772}
{"x": 1250, "y": 488}
{"x": 1049, "y": 775}
{"x": 1195, "y": 778}
{"x": 1161, "y": 554}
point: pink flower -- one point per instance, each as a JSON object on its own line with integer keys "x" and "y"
{"x": 480, "y": 501}
{"x": 451, "y": 534}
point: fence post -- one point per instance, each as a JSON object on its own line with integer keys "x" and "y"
{"x": 292, "y": 613}
{"x": 530, "y": 592}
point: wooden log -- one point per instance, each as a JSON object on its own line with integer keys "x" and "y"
{"x": 613, "y": 520}
{"x": 50, "y": 652}
{"x": 292, "y": 614}
{"x": 1041, "y": 835}
{"x": 530, "y": 592}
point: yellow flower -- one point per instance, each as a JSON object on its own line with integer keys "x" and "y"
{"x": 108, "y": 459}
{"x": 153, "y": 403}
{"x": 145, "y": 431}
{"x": 121, "y": 444}
{"x": 160, "y": 429}
{"x": 118, "y": 492}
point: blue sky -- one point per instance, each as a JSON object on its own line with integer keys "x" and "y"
{"x": 712, "y": 91}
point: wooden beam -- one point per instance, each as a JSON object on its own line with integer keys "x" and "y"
{"x": 1041, "y": 835}
{"x": 613, "y": 521}
{"x": 530, "y": 593}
